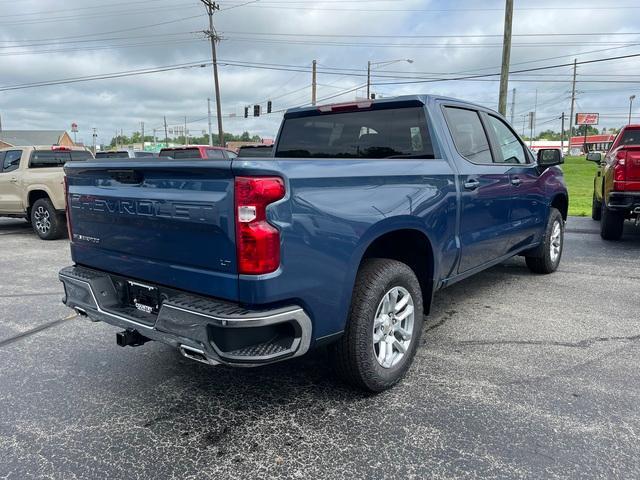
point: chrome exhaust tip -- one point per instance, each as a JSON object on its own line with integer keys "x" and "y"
{"x": 196, "y": 355}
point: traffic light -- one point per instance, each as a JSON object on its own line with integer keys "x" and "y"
{"x": 256, "y": 110}
{"x": 246, "y": 112}
{"x": 269, "y": 106}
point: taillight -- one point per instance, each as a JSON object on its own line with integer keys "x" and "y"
{"x": 257, "y": 242}
{"x": 620, "y": 170}
{"x": 67, "y": 207}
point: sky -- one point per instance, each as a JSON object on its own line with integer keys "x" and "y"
{"x": 267, "y": 48}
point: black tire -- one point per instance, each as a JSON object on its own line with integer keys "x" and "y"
{"x": 542, "y": 260}
{"x": 611, "y": 224}
{"x": 46, "y": 222}
{"x": 354, "y": 355}
{"x": 596, "y": 209}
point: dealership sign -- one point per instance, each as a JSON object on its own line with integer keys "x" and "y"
{"x": 587, "y": 118}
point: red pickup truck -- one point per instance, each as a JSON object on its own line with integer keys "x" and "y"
{"x": 616, "y": 192}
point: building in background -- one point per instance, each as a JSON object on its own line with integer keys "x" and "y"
{"x": 595, "y": 143}
{"x": 25, "y": 138}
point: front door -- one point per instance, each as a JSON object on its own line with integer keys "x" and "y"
{"x": 10, "y": 195}
{"x": 528, "y": 203}
{"x": 485, "y": 191}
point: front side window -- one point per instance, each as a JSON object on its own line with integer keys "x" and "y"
{"x": 11, "y": 160}
{"x": 510, "y": 147}
{"x": 385, "y": 133}
{"x": 469, "y": 135}
{"x": 231, "y": 154}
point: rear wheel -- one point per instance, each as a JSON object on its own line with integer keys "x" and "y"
{"x": 546, "y": 258}
{"x": 384, "y": 326}
{"x": 611, "y": 224}
{"x": 46, "y": 222}
{"x": 596, "y": 208}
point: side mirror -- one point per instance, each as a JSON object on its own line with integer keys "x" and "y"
{"x": 594, "y": 157}
{"x": 548, "y": 157}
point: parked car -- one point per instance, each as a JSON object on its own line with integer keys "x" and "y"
{"x": 616, "y": 187}
{"x": 32, "y": 186}
{"x": 125, "y": 154}
{"x": 255, "y": 151}
{"x": 368, "y": 209}
{"x": 198, "y": 151}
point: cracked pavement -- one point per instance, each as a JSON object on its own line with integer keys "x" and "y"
{"x": 518, "y": 376}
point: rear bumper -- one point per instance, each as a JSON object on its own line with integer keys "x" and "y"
{"x": 626, "y": 201}
{"x": 218, "y": 332}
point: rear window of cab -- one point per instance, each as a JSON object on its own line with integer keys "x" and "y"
{"x": 56, "y": 158}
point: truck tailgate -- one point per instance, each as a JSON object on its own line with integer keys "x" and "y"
{"x": 171, "y": 222}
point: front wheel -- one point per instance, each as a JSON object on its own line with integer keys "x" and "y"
{"x": 384, "y": 326}
{"x": 546, "y": 258}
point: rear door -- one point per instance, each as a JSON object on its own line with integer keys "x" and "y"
{"x": 485, "y": 190}
{"x": 10, "y": 176}
{"x": 528, "y": 205}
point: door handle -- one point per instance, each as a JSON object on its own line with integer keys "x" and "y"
{"x": 471, "y": 184}
{"x": 13, "y": 180}
{"x": 516, "y": 182}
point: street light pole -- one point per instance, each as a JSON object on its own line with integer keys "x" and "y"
{"x": 371, "y": 64}
{"x": 631, "y": 99}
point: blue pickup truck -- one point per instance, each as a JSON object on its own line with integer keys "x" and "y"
{"x": 340, "y": 238}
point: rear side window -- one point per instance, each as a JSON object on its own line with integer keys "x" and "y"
{"x": 49, "y": 158}
{"x": 388, "y": 133}
{"x": 11, "y": 160}
{"x": 468, "y": 134}
{"x": 215, "y": 154}
{"x": 631, "y": 137}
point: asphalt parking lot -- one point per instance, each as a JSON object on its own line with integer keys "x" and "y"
{"x": 519, "y": 376}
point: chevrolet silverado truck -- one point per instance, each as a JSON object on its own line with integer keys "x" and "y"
{"x": 616, "y": 186}
{"x": 31, "y": 186}
{"x": 340, "y": 238}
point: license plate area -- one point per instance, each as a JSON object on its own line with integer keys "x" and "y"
{"x": 144, "y": 298}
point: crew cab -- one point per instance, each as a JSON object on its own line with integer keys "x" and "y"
{"x": 616, "y": 186}
{"x": 31, "y": 185}
{"x": 340, "y": 238}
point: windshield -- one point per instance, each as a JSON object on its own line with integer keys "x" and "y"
{"x": 112, "y": 155}
{"x": 390, "y": 133}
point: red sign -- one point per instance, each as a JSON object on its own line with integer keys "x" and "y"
{"x": 74, "y": 127}
{"x": 587, "y": 118}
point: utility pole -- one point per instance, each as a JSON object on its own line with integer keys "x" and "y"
{"x": 368, "y": 79}
{"x": 314, "y": 82}
{"x": 631, "y": 99}
{"x": 186, "y": 138}
{"x": 535, "y": 113}
{"x": 166, "y": 136}
{"x": 142, "y": 128}
{"x": 532, "y": 117}
{"x": 95, "y": 135}
{"x": 117, "y": 140}
{"x": 211, "y": 7}
{"x": 573, "y": 101}
{"x": 513, "y": 105}
{"x": 209, "y": 120}
{"x": 506, "y": 57}
{"x": 154, "y": 138}
{"x": 562, "y": 135}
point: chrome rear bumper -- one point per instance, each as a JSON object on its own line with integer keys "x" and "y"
{"x": 222, "y": 332}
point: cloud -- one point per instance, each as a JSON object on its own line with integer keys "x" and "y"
{"x": 125, "y": 102}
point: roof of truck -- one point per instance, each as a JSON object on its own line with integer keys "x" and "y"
{"x": 424, "y": 99}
